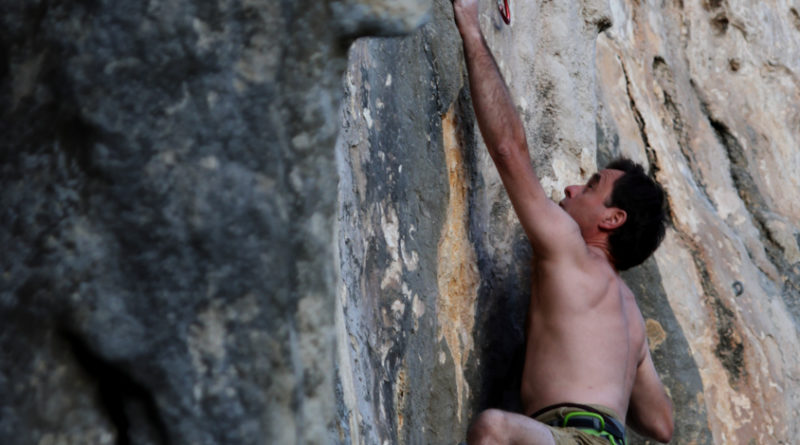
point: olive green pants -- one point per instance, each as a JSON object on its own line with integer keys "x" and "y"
{"x": 570, "y": 435}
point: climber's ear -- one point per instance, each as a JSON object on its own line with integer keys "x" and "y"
{"x": 613, "y": 218}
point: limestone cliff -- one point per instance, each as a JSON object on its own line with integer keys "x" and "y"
{"x": 434, "y": 265}
{"x": 248, "y": 222}
{"x": 168, "y": 207}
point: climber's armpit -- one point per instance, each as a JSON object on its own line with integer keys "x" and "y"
{"x": 551, "y": 231}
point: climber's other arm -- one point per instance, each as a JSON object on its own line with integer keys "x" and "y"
{"x": 650, "y": 409}
{"x": 549, "y": 229}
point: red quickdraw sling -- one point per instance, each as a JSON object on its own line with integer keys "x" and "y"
{"x": 505, "y": 10}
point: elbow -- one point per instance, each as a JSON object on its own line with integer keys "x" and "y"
{"x": 659, "y": 425}
{"x": 664, "y": 434}
{"x": 664, "y": 430}
{"x": 508, "y": 152}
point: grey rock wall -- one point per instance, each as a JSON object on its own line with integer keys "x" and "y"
{"x": 711, "y": 91}
{"x": 434, "y": 266}
{"x": 168, "y": 206}
{"x": 245, "y": 222}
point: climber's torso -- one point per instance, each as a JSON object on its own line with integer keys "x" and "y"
{"x": 585, "y": 336}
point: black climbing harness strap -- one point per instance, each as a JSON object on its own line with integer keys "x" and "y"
{"x": 590, "y": 421}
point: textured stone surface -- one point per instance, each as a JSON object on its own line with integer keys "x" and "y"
{"x": 168, "y": 205}
{"x": 204, "y": 244}
{"x": 432, "y": 297}
{"x": 711, "y": 90}
{"x": 433, "y": 263}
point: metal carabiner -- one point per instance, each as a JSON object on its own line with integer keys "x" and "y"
{"x": 505, "y": 11}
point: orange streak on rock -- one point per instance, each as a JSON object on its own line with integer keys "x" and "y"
{"x": 457, "y": 272}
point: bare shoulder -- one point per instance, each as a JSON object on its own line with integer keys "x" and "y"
{"x": 635, "y": 319}
{"x": 579, "y": 281}
{"x": 627, "y": 294}
{"x": 571, "y": 255}
{"x": 553, "y": 234}
{"x": 595, "y": 264}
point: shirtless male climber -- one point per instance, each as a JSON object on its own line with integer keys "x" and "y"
{"x": 588, "y": 368}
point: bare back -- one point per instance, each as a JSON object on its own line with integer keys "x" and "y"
{"x": 585, "y": 335}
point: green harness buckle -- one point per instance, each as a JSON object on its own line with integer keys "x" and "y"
{"x": 586, "y": 414}
{"x": 598, "y": 431}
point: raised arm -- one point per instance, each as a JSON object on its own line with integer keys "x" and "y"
{"x": 501, "y": 126}
{"x": 503, "y": 132}
{"x": 650, "y": 409}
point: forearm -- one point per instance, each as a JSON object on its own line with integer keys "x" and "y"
{"x": 498, "y": 119}
{"x": 658, "y": 426}
{"x": 502, "y": 130}
{"x": 650, "y": 409}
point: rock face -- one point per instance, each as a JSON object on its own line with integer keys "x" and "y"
{"x": 220, "y": 226}
{"x": 434, "y": 265}
{"x": 711, "y": 89}
{"x": 168, "y": 207}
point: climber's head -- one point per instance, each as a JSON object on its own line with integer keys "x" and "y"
{"x": 642, "y": 199}
{"x": 622, "y": 208}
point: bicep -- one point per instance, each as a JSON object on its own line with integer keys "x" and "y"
{"x": 548, "y": 227}
{"x": 646, "y": 386}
